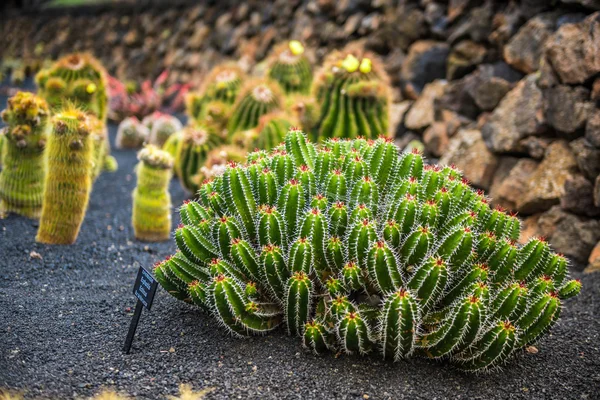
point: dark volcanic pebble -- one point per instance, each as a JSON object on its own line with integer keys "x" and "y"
{"x": 63, "y": 320}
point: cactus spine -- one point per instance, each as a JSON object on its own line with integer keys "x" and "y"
{"x": 289, "y": 67}
{"x": 358, "y": 249}
{"x": 69, "y": 178}
{"x": 24, "y": 170}
{"x": 151, "y": 218}
{"x": 353, "y": 91}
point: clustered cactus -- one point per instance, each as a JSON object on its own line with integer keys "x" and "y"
{"x": 353, "y": 92}
{"x": 289, "y": 67}
{"x": 357, "y": 248}
{"x": 270, "y": 131}
{"x": 151, "y": 218}
{"x": 24, "y": 170}
{"x": 70, "y": 163}
{"x": 220, "y": 89}
{"x": 192, "y": 150}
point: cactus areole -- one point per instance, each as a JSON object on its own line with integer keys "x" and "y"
{"x": 356, "y": 248}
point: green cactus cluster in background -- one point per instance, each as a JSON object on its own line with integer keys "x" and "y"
{"x": 270, "y": 131}
{"x": 353, "y": 92}
{"x": 256, "y": 98}
{"x": 357, "y": 248}
{"x": 162, "y": 127}
{"x": 220, "y": 89}
{"x": 22, "y": 152}
{"x": 289, "y": 66}
{"x": 151, "y": 217}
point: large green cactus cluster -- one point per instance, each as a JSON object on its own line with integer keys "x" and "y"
{"x": 354, "y": 95}
{"x": 357, "y": 248}
{"x": 256, "y": 99}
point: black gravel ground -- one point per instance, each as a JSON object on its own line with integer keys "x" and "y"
{"x": 64, "y": 316}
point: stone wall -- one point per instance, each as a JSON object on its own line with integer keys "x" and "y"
{"x": 507, "y": 91}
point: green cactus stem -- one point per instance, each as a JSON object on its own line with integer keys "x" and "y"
{"x": 289, "y": 66}
{"x": 353, "y": 92}
{"x": 69, "y": 178}
{"x": 255, "y": 99}
{"x": 192, "y": 152}
{"x": 131, "y": 134}
{"x": 270, "y": 131}
{"x": 358, "y": 248}
{"x": 24, "y": 170}
{"x": 151, "y": 217}
{"x": 221, "y": 87}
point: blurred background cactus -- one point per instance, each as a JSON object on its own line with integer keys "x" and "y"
{"x": 151, "y": 217}
{"x": 131, "y": 134}
{"x": 353, "y": 91}
{"x": 78, "y": 78}
{"x": 358, "y": 249}
{"x": 289, "y": 66}
{"x": 192, "y": 150}
{"x": 270, "y": 131}
{"x": 21, "y": 152}
{"x": 162, "y": 127}
{"x": 256, "y": 98}
{"x": 70, "y": 164}
{"x": 221, "y": 86}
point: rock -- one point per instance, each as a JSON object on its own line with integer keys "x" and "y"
{"x": 490, "y": 83}
{"x": 592, "y": 129}
{"x": 579, "y": 196}
{"x": 588, "y": 157}
{"x": 546, "y": 185}
{"x": 596, "y": 90}
{"x": 574, "y": 50}
{"x": 524, "y": 49}
{"x": 456, "y": 98}
{"x": 352, "y": 23}
{"x": 567, "y": 108}
{"x": 594, "y": 260}
{"x": 511, "y": 181}
{"x": 421, "y": 114}
{"x": 593, "y": 4}
{"x": 463, "y": 58}
{"x": 196, "y": 40}
{"x": 425, "y": 62}
{"x": 519, "y": 114}
{"x": 570, "y": 234}
{"x": 535, "y": 146}
{"x": 436, "y": 139}
{"x": 477, "y": 25}
{"x": 529, "y": 228}
{"x": 397, "y": 113}
{"x": 597, "y": 192}
{"x": 470, "y": 154}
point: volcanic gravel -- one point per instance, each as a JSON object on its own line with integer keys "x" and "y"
{"x": 65, "y": 311}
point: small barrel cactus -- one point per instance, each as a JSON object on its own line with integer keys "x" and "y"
{"x": 79, "y": 79}
{"x": 172, "y": 143}
{"x": 163, "y": 127}
{"x": 256, "y": 99}
{"x": 24, "y": 170}
{"x": 353, "y": 91}
{"x": 70, "y": 163}
{"x": 305, "y": 110}
{"x": 289, "y": 66}
{"x": 356, "y": 248}
{"x": 221, "y": 85}
{"x": 218, "y": 158}
{"x": 151, "y": 217}
{"x": 131, "y": 134}
{"x": 102, "y": 159}
{"x": 193, "y": 148}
